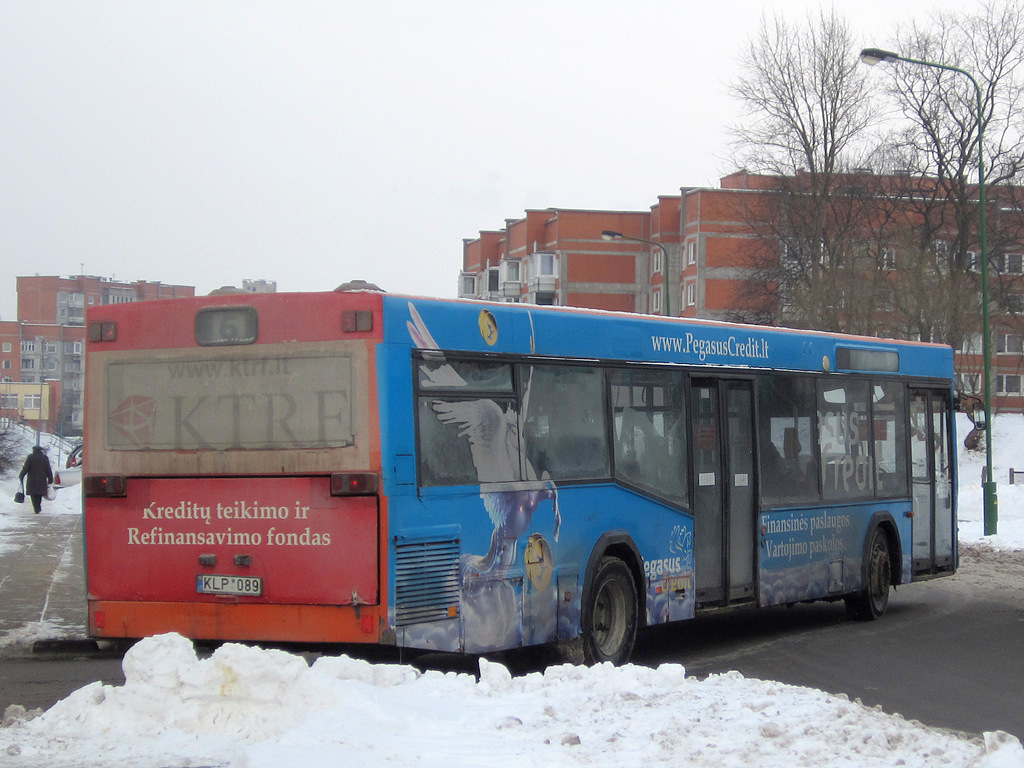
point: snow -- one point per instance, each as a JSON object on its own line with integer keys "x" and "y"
{"x": 246, "y": 707}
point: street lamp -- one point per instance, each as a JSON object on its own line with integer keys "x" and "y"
{"x": 610, "y": 235}
{"x": 872, "y": 56}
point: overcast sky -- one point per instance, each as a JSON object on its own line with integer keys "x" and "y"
{"x": 203, "y": 143}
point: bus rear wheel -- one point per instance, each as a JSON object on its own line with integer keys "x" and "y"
{"x": 610, "y": 615}
{"x": 870, "y": 603}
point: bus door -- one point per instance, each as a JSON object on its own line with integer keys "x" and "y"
{"x": 931, "y": 455}
{"x": 724, "y": 483}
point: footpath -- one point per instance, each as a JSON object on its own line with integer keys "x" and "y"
{"x": 42, "y": 584}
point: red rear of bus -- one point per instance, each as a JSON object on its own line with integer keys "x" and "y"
{"x": 232, "y": 468}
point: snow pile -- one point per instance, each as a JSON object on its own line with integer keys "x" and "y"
{"x": 263, "y": 708}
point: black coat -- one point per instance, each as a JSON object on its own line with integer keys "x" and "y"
{"x": 38, "y": 473}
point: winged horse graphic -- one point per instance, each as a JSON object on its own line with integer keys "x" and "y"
{"x": 493, "y": 434}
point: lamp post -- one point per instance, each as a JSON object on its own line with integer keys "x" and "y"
{"x": 872, "y": 56}
{"x": 610, "y": 235}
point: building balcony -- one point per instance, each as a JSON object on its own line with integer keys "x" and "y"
{"x": 543, "y": 283}
{"x": 511, "y": 290}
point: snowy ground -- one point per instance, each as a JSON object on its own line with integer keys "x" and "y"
{"x": 249, "y": 708}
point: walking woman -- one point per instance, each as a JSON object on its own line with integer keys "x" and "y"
{"x": 40, "y": 475}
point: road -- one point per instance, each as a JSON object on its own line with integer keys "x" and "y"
{"x": 948, "y": 652}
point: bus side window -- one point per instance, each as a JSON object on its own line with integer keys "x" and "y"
{"x": 847, "y": 470}
{"x": 466, "y": 442}
{"x": 649, "y": 418}
{"x": 889, "y": 419}
{"x": 467, "y": 423}
{"x": 789, "y": 466}
{"x": 564, "y": 422}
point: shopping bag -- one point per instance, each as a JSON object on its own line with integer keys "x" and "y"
{"x": 19, "y": 496}
{"x": 51, "y": 493}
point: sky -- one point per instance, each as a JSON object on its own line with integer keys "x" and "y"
{"x": 201, "y": 143}
{"x": 243, "y": 707}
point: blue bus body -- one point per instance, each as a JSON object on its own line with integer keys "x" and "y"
{"x": 492, "y": 561}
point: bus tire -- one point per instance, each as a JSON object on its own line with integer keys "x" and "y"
{"x": 870, "y": 603}
{"x": 610, "y": 614}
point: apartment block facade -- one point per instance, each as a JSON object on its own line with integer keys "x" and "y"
{"x": 697, "y": 255}
{"x": 42, "y": 353}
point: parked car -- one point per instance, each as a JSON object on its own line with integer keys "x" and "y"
{"x": 75, "y": 457}
{"x": 71, "y": 474}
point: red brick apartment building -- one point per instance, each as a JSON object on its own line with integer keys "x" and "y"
{"x": 695, "y": 255}
{"x": 42, "y": 353}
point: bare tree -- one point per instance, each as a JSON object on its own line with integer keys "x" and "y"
{"x": 939, "y": 141}
{"x": 807, "y": 109}
{"x": 894, "y": 252}
{"x": 10, "y": 445}
{"x": 805, "y": 101}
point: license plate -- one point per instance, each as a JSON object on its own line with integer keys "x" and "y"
{"x": 213, "y": 584}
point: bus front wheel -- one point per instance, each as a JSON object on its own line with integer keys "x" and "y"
{"x": 610, "y": 615}
{"x": 870, "y": 603}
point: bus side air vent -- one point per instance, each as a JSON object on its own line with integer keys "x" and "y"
{"x": 426, "y": 581}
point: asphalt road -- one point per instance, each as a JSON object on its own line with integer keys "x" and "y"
{"x": 949, "y": 652}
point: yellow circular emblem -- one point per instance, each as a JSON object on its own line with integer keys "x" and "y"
{"x": 488, "y": 327}
{"x": 539, "y": 564}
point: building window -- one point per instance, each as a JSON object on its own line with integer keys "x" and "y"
{"x": 968, "y": 382}
{"x": 33, "y": 401}
{"x": 72, "y": 348}
{"x": 28, "y": 346}
{"x": 7, "y": 365}
{"x": 691, "y": 294}
{"x": 656, "y": 261}
{"x": 691, "y": 252}
{"x": 1008, "y": 344}
{"x": 656, "y": 301}
{"x": 971, "y": 345}
{"x": 9, "y": 401}
{"x": 511, "y": 270}
{"x": 888, "y": 259}
{"x": 492, "y": 280}
{"x": 1008, "y": 263}
{"x": 941, "y": 250}
{"x": 468, "y": 287}
{"x": 545, "y": 264}
{"x": 50, "y": 348}
{"x": 1015, "y": 303}
{"x": 972, "y": 263}
{"x": 1008, "y": 384}
{"x": 7, "y": 346}
{"x": 28, "y": 364}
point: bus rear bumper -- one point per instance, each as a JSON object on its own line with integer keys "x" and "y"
{"x": 237, "y": 621}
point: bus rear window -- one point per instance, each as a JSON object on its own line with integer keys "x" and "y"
{"x": 230, "y": 402}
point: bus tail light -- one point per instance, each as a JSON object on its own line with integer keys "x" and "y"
{"x": 102, "y": 332}
{"x": 105, "y": 486}
{"x": 354, "y": 484}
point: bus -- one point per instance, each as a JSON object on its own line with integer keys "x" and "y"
{"x": 466, "y": 476}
